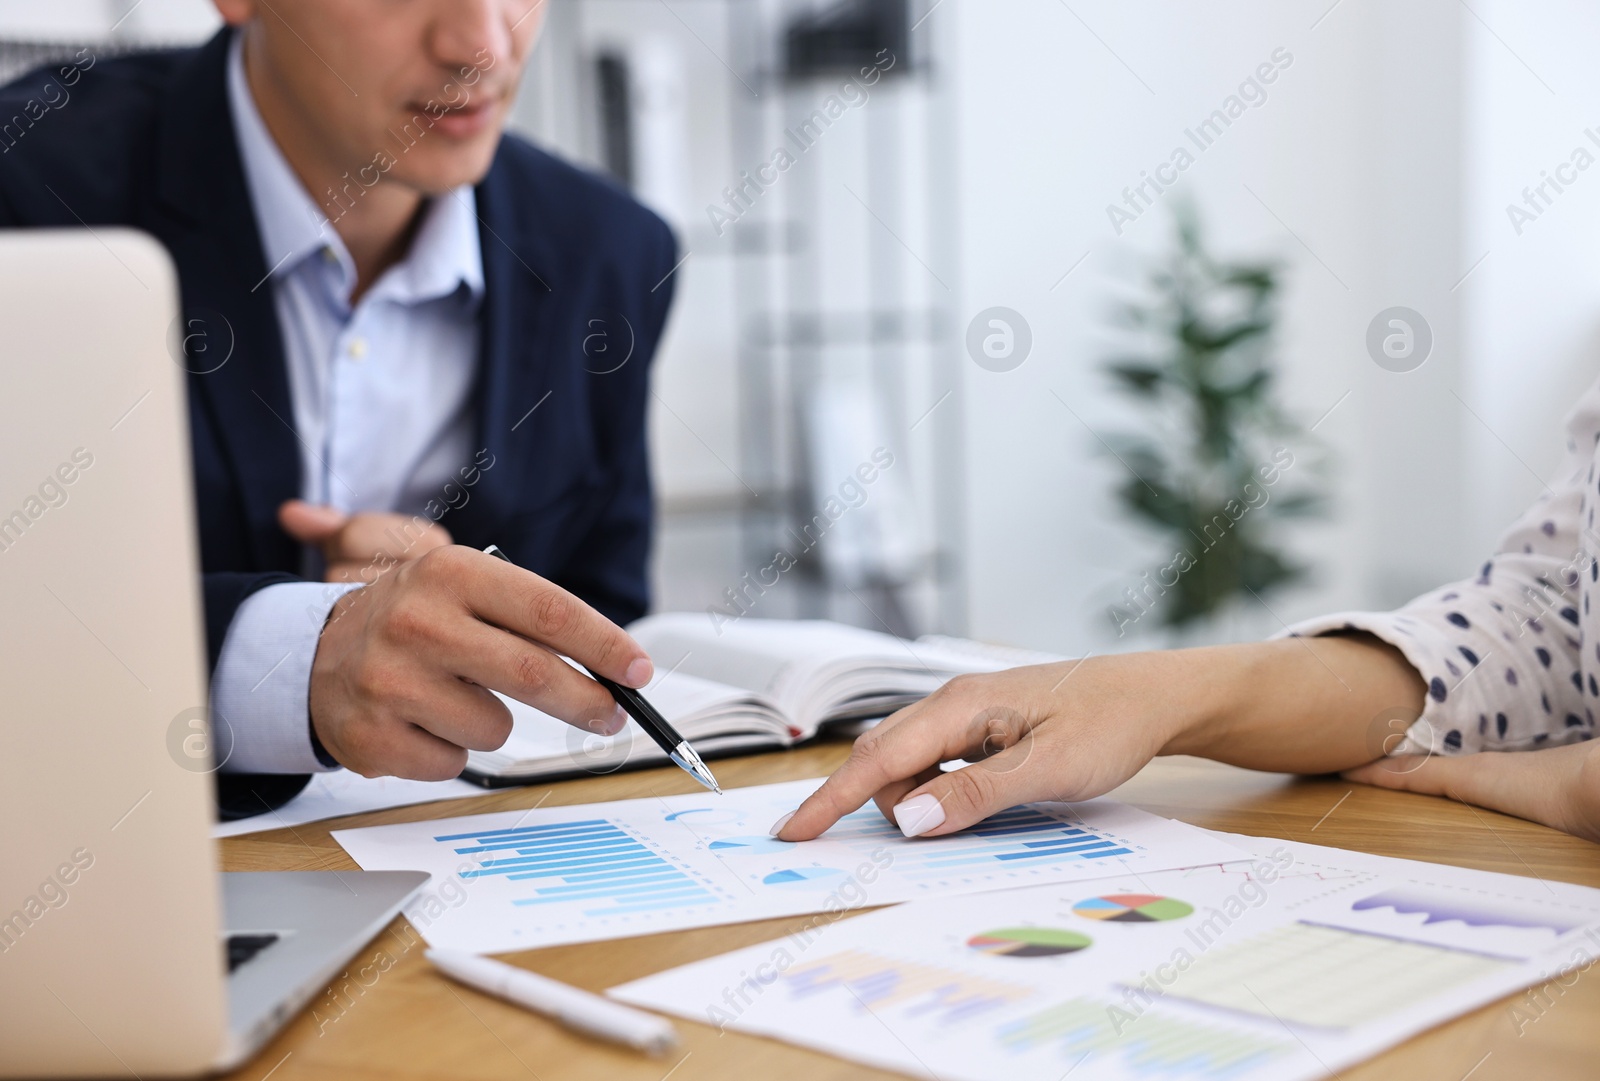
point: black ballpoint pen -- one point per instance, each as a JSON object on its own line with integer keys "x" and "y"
{"x": 635, "y": 705}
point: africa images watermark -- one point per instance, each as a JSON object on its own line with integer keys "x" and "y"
{"x": 352, "y": 985}
{"x": 853, "y": 94}
{"x": 51, "y": 492}
{"x": 1538, "y": 198}
{"x": 1537, "y": 1001}
{"x": 851, "y": 494}
{"x": 1142, "y": 598}
{"x": 1138, "y": 996}
{"x": 454, "y": 95}
{"x": 454, "y": 495}
{"x": 52, "y": 95}
{"x": 52, "y": 893}
{"x": 739, "y": 997}
{"x": 1252, "y": 94}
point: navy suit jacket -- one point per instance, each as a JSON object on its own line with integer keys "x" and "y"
{"x": 147, "y": 141}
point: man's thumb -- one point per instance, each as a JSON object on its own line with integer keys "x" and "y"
{"x": 310, "y": 523}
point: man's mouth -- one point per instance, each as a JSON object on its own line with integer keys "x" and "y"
{"x": 460, "y": 121}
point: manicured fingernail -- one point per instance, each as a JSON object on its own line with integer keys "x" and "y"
{"x": 639, "y": 672}
{"x": 777, "y": 827}
{"x": 919, "y": 814}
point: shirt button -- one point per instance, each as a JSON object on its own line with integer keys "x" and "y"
{"x": 356, "y": 349}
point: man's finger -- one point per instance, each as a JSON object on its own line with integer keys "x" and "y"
{"x": 533, "y": 675}
{"x": 351, "y": 571}
{"x": 310, "y": 523}
{"x": 399, "y": 749}
{"x": 525, "y": 604}
{"x": 464, "y": 714}
{"x": 388, "y": 538}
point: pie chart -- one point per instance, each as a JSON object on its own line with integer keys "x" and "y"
{"x": 804, "y": 877}
{"x": 696, "y": 817}
{"x": 748, "y": 846}
{"x": 1029, "y": 942}
{"x": 1132, "y": 908}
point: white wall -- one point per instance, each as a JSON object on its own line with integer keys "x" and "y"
{"x": 1533, "y": 307}
{"x": 151, "y": 20}
{"x": 1349, "y": 173}
{"x": 1389, "y": 149}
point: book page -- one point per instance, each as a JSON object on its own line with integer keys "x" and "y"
{"x": 711, "y": 715}
{"x": 812, "y": 669}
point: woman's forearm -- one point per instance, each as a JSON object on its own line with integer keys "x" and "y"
{"x": 1300, "y": 705}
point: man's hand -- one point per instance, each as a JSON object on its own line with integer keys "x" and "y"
{"x": 401, "y": 679}
{"x": 360, "y": 547}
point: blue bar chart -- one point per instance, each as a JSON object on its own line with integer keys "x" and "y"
{"x": 1012, "y": 840}
{"x": 520, "y": 879}
{"x": 588, "y": 861}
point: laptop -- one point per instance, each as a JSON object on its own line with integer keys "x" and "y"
{"x": 122, "y": 949}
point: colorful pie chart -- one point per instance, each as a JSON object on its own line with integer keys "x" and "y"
{"x": 1132, "y": 908}
{"x": 1029, "y": 942}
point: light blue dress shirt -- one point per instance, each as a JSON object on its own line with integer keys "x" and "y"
{"x": 381, "y": 393}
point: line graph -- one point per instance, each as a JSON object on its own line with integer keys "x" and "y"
{"x": 1482, "y": 910}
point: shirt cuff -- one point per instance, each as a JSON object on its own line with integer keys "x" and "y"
{"x": 262, "y": 684}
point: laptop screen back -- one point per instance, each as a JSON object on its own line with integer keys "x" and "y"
{"x": 109, "y": 952}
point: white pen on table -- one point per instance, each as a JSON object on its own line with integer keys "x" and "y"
{"x": 572, "y": 1006}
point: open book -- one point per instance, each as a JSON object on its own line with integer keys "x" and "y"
{"x": 748, "y": 685}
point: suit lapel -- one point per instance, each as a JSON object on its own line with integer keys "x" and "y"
{"x": 518, "y": 415}
{"x": 525, "y": 399}
{"x": 211, "y": 229}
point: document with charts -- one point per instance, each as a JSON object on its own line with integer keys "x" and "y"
{"x": 1289, "y": 966}
{"x": 519, "y": 879}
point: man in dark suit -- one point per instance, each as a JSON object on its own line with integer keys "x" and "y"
{"x": 403, "y": 329}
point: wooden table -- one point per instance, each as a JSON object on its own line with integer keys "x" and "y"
{"x": 392, "y": 1016}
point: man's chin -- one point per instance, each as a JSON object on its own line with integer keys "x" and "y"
{"x": 438, "y": 173}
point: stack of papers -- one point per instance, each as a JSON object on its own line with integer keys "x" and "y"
{"x": 1088, "y": 939}
{"x": 547, "y": 876}
{"x": 1293, "y": 964}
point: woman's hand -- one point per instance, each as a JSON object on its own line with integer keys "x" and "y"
{"x": 1067, "y": 731}
{"x": 1557, "y": 786}
{"x": 1077, "y": 729}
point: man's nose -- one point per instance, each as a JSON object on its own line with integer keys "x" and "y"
{"x": 471, "y": 33}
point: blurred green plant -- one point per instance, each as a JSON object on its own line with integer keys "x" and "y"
{"x": 1209, "y": 466}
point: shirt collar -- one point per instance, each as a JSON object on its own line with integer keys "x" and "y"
{"x": 445, "y": 254}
